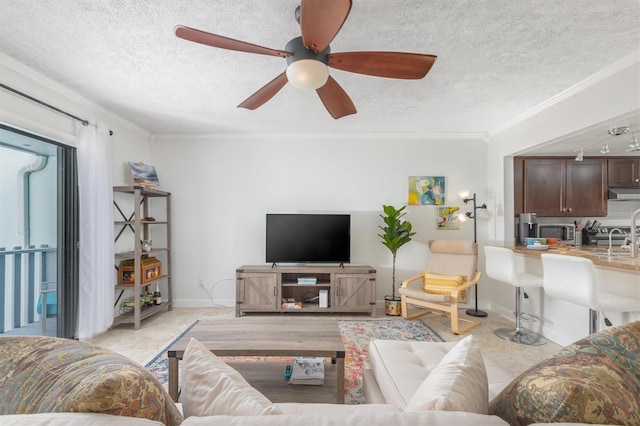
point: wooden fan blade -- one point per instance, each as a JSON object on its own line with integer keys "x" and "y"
{"x": 215, "y": 40}
{"x": 335, "y": 99}
{"x": 320, "y": 21}
{"x": 410, "y": 66}
{"x": 267, "y": 92}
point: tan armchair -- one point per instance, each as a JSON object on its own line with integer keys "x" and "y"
{"x": 450, "y": 274}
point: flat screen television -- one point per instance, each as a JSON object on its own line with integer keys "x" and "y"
{"x": 308, "y": 238}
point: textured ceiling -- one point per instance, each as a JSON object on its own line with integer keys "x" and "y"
{"x": 496, "y": 60}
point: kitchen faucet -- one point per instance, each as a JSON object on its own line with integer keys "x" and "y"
{"x": 610, "y": 251}
{"x": 634, "y": 237}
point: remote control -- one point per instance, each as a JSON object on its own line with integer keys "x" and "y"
{"x": 287, "y": 371}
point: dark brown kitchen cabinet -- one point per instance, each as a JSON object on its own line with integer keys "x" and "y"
{"x": 624, "y": 171}
{"x": 560, "y": 187}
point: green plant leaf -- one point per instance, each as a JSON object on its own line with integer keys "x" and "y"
{"x": 396, "y": 233}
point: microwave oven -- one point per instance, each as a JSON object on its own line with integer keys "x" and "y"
{"x": 564, "y": 232}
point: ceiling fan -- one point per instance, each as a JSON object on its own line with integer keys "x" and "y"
{"x": 309, "y": 56}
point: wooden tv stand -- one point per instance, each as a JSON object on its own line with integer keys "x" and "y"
{"x": 261, "y": 288}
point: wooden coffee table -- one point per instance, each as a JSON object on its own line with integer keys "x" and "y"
{"x": 271, "y": 337}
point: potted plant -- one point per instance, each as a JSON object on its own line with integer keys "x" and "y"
{"x": 395, "y": 233}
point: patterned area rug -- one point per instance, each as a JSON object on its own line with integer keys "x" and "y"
{"x": 356, "y": 335}
{"x": 159, "y": 365}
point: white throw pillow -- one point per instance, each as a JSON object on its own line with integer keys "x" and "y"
{"x": 458, "y": 383}
{"x": 212, "y": 388}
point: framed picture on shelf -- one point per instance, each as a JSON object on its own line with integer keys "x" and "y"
{"x": 144, "y": 174}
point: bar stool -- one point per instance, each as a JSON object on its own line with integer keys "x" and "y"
{"x": 574, "y": 279}
{"x": 501, "y": 265}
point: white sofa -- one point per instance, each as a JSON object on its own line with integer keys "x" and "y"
{"x": 398, "y": 368}
{"x": 214, "y": 392}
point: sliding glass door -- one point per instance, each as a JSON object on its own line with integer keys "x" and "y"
{"x": 38, "y": 236}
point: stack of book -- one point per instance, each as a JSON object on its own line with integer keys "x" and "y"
{"x": 307, "y": 371}
{"x": 290, "y": 303}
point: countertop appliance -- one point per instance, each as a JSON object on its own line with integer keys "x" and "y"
{"x": 527, "y": 227}
{"x": 563, "y": 231}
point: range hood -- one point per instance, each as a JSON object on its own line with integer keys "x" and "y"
{"x": 624, "y": 194}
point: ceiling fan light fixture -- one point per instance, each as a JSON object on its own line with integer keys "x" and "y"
{"x": 309, "y": 56}
{"x": 307, "y": 74}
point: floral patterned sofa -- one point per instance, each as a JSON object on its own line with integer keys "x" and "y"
{"x": 51, "y": 375}
{"x": 595, "y": 380}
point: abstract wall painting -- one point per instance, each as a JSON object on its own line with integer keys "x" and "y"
{"x": 426, "y": 190}
{"x": 448, "y": 218}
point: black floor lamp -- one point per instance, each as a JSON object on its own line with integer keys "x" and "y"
{"x": 465, "y": 197}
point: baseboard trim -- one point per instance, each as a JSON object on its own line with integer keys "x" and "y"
{"x": 200, "y": 303}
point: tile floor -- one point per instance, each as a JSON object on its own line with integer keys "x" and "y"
{"x": 159, "y": 330}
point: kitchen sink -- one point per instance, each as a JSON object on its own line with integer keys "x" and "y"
{"x": 614, "y": 255}
{"x": 604, "y": 253}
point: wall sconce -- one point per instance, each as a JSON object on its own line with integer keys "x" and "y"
{"x": 464, "y": 195}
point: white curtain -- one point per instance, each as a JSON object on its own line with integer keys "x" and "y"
{"x": 97, "y": 273}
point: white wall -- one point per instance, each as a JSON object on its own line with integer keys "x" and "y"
{"x": 43, "y": 189}
{"x": 11, "y": 161}
{"x": 222, "y": 189}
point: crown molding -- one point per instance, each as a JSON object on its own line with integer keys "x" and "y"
{"x": 625, "y": 62}
{"x": 321, "y": 136}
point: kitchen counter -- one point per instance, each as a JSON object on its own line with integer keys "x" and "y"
{"x": 620, "y": 260}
